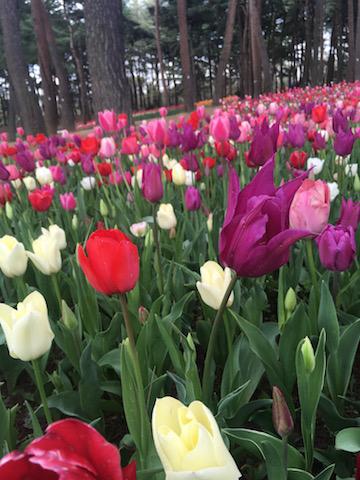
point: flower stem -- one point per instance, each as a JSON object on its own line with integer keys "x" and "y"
{"x": 40, "y": 387}
{"x": 285, "y": 455}
{"x": 56, "y": 289}
{"x": 311, "y": 266}
{"x": 158, "y": 250}
{"x": 208, "y": 378}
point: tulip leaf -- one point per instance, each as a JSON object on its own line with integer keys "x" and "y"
{"x": 326, "y": 474}
{"x": 348, "y": 440}
{"x": 37, "y": 431}
{"x": 327, "y": 319}
{"x": 296, "y": 474}
{"x": 274, "y": 465}
{"x": 332, "y": 418}
{"x": 111, "y": 359}
{"x": 230, "y": 404}
{"x": 89, "y": 388}
{"x": 242, "y": 436}
{"x": 67, "y": 403}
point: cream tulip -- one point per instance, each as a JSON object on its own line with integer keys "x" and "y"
{"x": 43, "y": 175}
{"x": 165, "y": 216}
{"x": 178, "y": 175}
{"x": 29, "y": 183}
{"x": 189, "y": 443}
{"x": 57, "y": 234}
{"x": 46, "y": 254}
{"x": 13, "y": 258}
{"x": 27, "y": 328}
{"x": 213, "y": 285}
{"x": 88, "y": 183}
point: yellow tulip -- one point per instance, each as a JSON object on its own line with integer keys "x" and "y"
{"x": 213, "y": 285}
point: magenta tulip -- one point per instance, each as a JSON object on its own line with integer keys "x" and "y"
{"x": 337, "y": 247}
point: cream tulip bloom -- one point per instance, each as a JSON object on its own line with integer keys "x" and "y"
{"x": 189, "y": 443}
{"x": 178, "y": 175}
{"x": 213, "y": 285}
{"x": 43, "y": 175}
{"x": 165, "y": 216}
{"x": 13, "y": 258}
{"x": 46, "y": 254}
{"x": 57, "y": 234}
{"x": 29, "y": 183}
{"x": 27, "y": 328}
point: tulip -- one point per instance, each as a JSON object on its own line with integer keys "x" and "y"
{"x": 152, "y": 186}
{"x": 46, "y": 252}
{"x": 192, "y": 199}
{"x": 282, "y": 419}
{"x": 340, "y": 123}
{"x": 318, "y": 113}
{"x": 334, "y": 190}
{"x": 349, "y": 214}
{"x": 264, "y": 144}
{"x": 4, "y": 173}
{"x": 315, "y": 165}
{"x": 43, "y": 175}
{"x": 344, "y": 143}
{"x": 308, "y": 355}
{"x": 255, "y": 238}
{"x": 107, "y": 147}
{"x": 56, "y": 234}
{"x": 319, "y": 142}
{"x": 104, "y": 211}
{"x": 220, "y": 128}
{"x": 88, "y": 183}
{"x": 351, "y": 169}
{"x": 178, "y": 174}
{"x": 214, "y": 284}
{"x": 108, "y": 120}
{"x": 310, "y": 207}
{"x": 189, "y": 443}
{"x": 27, "y": 328}
{"x": 337, "y": 247}
{"x": 130, "y": 146}
{"x": 165, "y": 216}
{"x": 13, "y": 258}
{"x": 139, "y": 229}
{"x": 157, "y": 131}
{"x": 25, "y": 160}
{"x": 111, "y": 262}
{"x": 68, "y": 201}
{"x": 90, "y": 145}
{"x": 58, "y": 174}
{"x": 298, "y": 159}
{"x": 290, "y": 300}
{"x": 41, "y": 198}
{"x": 296, "y": 135}
{"x": 209, "y": 222}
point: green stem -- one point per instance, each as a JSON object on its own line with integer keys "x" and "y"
{"x": 40, "y": 387}
{"x": 312, "y": 267}
{"x": 57, "y": 290}
{"x": 208, "y": 378}
{"x": 158, "y": 250}
{"x": 285, "y": 455}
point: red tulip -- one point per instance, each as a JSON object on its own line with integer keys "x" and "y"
{"x": 41, "y": 198}
{"x": 69, "y": 450}
{"x": 298, "y": 159}
{"x": 318, "y": 113}
{"x": 90, "y": 145}
{"x": 104, "y": 169}
{"x": 130, "y": 146}
{"x": 112, "y": 262}
{"x": 5, "y": 193}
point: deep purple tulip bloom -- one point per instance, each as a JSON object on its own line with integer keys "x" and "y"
{"x": 189, "y": 140}
{"x": 174, "y": 137}
{"x": 340, "y": 123}
{"x": 191, "y": 161}
{"x": 192, "y": 199}
{"x": 87, "y": 163}
{"x": 296, "y": 136}
{"x": 234, "y": 133}
{"x": 4, "y": 174}
{"x": 25, "y": 160}
{"x": 152, "y": 186}
{"x": 264, "y": 144}
{"x": 319, "y": 142}
{"x": 255, "y": 238}
{"x": 344, "y": 143}
{"x": 337, "y": 247}
{"x": 349, "y": 214}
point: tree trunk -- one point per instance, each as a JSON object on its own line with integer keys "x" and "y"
{"x": 165, "y": 93}
{"x": 357, "y": 43}
{"x": 185, "y": 56}
{"x": 12, "y": 114}
{"x": 351, "y": 42}
{"x": 255, "y": 51}
{"x": 308, "y": 14}
{"x": 47, "y": 82}
{"x": 105, "y": 49}
{"x": 331, "y": 61}
{"x": 225, "y": 51}
{"x": 30, "y": 112}
{"x": 317, "y": 42}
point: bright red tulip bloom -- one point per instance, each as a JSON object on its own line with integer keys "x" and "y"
{"x": 90, "y": 145}
{"x": 41, "y": 198}
{"x": 111, "y": 262}
{"x": 318, "y": 113}
{"x": 69, "y": 450}
{"x": 130, "y": 146}
{"x": 5, "y": 193}
{"x": 298, "y": 159}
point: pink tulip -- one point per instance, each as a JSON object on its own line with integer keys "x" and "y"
{"x": 157, "y": 131}
{"x": 107, "y": 147}
{"x": 14, "y": 172}
{"x": 20, "y": 131}
{"x": 200, "y": 111}
{"x": 68, "y": 201}
{"x": 129, "y": 146}
{"x": 163, "y": 111}
{"x": 97, "y": 131}
{"x": 58, "y": 174}
{"x": 108, "y": 120}
{"x": 220, "y": 128}
{"x": 310, "y": 207}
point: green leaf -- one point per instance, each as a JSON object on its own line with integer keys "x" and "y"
{"x": 89, "y": 385}
{"x": 230, "y": 404}
{"x": 348, "y": 440}
{"x": 327, "y": 319}
{"x": 111, "y": 359}
{"x": 296, "y": 474}
{"x": 326, "y": 474}
{"x": 37, "y": 430}
{"x": 67, "y": 403}
{"x": 274, "y": 464}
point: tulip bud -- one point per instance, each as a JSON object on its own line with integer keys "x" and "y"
{"x": 209, "y": 222}
{"x": 143, "y": 314}
{"x": 308, "y": 355}
{"x": 75, "y": 222}
{"x": 172, "y": 233}
{"x": 9, "y": 210}
{"x": 68, "y": 317}
{"x": 103, "y": 208}
{"x": 290, "y": 300}
{"x": 149, "y": 238}
{"x": 282, "y": 419}
{"x": 357, "y": 183}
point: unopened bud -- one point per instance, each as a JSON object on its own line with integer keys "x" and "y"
{"x": 172, "y": 232}
{"x": 282, "y": 419}
{"x": 290, "y": 300}
{"x": 74, "y": 222}
{"x": 308, "y": 355}
{"x": 357, "y": 183}
{"x": 103, "y": 208}
{"x": 143, "y": 314}
{"x": 68, "y": 317}
{"x": 9, "y": 211}
{"x": 149, "y": 238}
{"x": 209, "y": 222}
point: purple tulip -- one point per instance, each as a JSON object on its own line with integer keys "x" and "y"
{"x": 87, "y": 163}
{"x": 152, "y": 186}
{"x": 264, "y": 144}
{"x": 25, "y": 160}
{"x": 4, "y": 174}
{"x": 296, "y": 136}
{"x": 340, "y": 123}
{"x": 337, "y": 247}
{"x": 174, "y": 138}
{"x": 189, "y": 140}
{"x": 255, "y": 238}
{"x": 234, "y": 128}
{"x": 319, "y": 142}
{"x": 192, "y": 199}
{"x": 349, "y": 214}
{"x": 344, "y": 143}
{"x": 191, "y": 162}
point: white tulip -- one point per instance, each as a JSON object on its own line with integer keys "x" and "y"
{"x": 316, "y": 164}
{"x": 29, "y": 183}
{"x": 16, "y": 183}
{"x": 334, "y": 190}
{"x": 165, "y": 216}
{"x": 13, "y": 258}
{"x": 189, "y": 443}
{"x": 213, "y": 285}
{"x": 88, "y": 183}
{"x": 139, "y": 229}
{"x": 43, "y": 175}
{"x": 189, "y": 178}
{"x": 57, "y": 234}
{"x": 351, "y": 169}
{"x": 178, "y": 174}
{"x": 46, "y": 254}
{"x": 27, "y": 328}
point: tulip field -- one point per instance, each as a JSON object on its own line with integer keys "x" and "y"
{"x": 180, "y": 296}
